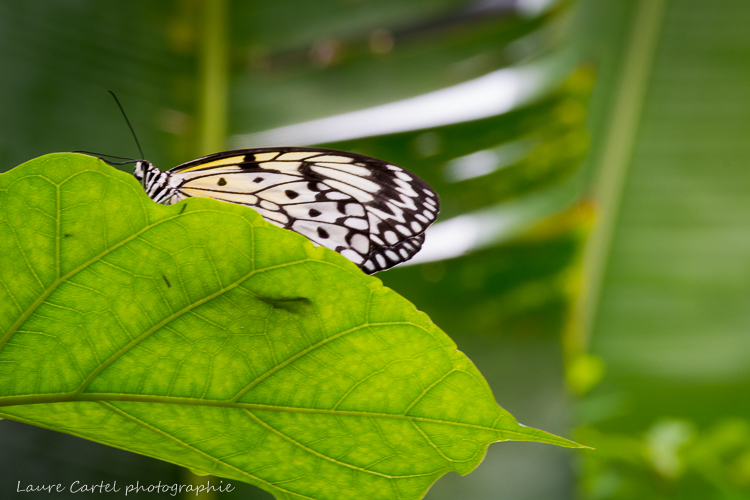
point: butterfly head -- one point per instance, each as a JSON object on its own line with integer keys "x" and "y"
{"x": 139, "y": 169}
{"x": 154, "y": 181}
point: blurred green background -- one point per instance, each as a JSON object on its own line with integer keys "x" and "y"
{"x": 592, "y": 158}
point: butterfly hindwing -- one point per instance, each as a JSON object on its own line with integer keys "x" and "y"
{"x": 372, "y": 212}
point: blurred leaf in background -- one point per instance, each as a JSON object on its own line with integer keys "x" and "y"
{"x": 667, "y": 269}
{"x": 480, "y": 98}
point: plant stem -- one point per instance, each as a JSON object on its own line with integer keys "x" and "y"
{"x": 615, "y": 159}
{"x": 214, "y": 77}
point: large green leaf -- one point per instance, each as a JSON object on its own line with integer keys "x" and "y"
{"x": 202, "y": 335}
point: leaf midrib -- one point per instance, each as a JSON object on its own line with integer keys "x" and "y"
{"x": 71, "y": 397}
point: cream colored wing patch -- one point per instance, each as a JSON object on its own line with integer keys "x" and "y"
{"x": 238, "y": 182}
{"x": 233, "y": 160}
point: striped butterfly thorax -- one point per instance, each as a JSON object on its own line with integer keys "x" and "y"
{"x": 370, "y": 211}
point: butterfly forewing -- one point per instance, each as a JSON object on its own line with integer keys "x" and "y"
{"x": 372, "y": 212}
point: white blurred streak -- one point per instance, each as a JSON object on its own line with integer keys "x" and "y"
{"x": 489, "y": 95}
{"x": 448, "y": 239}
{"x": 490, "y": 226}
{"x": 476, "y": 164}
{"x": 487, "y": 161}
{"x": 533, "y": 8}
{"x": 465, "y": 233}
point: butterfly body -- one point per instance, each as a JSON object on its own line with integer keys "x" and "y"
{"x": 372, "y": 212}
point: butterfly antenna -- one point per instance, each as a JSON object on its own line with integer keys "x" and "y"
{"x": 128, "y": 122}
{"x": 104, "y": 157}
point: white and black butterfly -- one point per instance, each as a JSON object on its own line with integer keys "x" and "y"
{"x": 370, "y": 211}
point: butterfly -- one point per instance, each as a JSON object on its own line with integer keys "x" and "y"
{"x": 370, "y": 211}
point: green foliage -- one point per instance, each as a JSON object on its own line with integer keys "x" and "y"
{"x": 290, "y": 84}
{"x": 202, "y": 335}
{"x": 670, "y": 325}
{"x": 673, "y": 456}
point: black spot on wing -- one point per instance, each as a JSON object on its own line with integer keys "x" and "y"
{"x": 250, "y": 164}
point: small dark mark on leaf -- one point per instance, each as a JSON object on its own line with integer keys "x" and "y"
{"x": 67, "y": 235}
{"x": 297, "y": 305}
{"x": 169, "y": 285}
{"x": 183, "y": 208}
